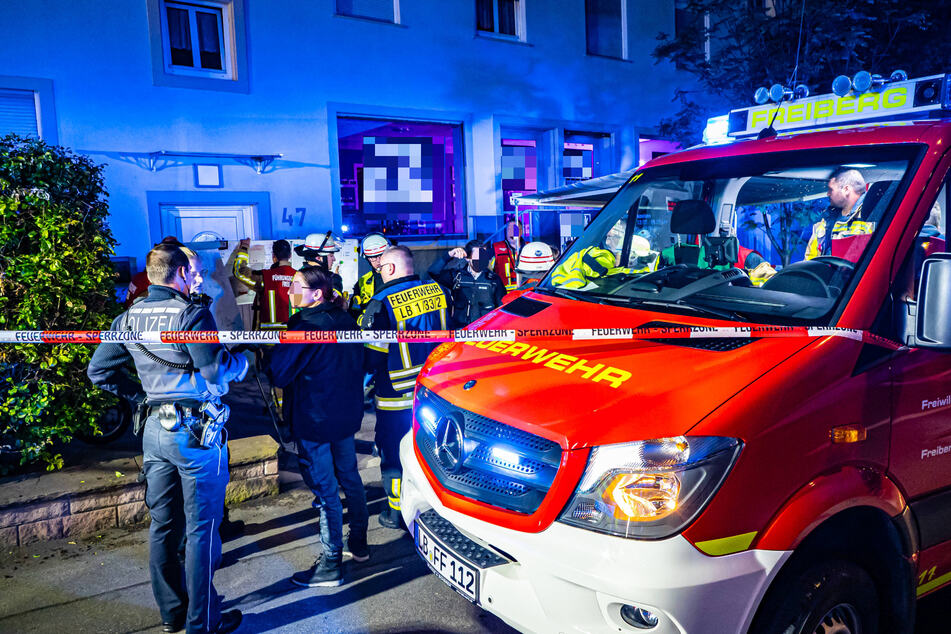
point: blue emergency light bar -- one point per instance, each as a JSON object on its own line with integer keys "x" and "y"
{"x": 921, "y": 98}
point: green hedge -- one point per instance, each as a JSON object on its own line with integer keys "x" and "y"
{"x": 55, "y": 274}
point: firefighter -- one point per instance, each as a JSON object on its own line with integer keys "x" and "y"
{"x": 475, "y": 289}
{"x": 505, "y": 255}
{"x": 596, "y": 262}
{"x": 371, "y": 247}
{"x": 534, "y": 262}
{"x": 318, "y": 250}
{"x": 243, "y": 283}
{"x": 273, "y": 307}
{"x": 402, "y": 303}
{"x": 846, "y": 192}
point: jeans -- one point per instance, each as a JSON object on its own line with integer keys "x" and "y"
{"x": 326, "y": 468}
{"x": 185, "y": 495}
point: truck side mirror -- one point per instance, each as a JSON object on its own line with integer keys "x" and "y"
{"x": 933, "y": 319}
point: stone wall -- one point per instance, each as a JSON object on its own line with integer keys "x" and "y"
{"x": 84, "y": 500}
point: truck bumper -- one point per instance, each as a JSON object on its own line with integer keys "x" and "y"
{"x": 567, "y": 579}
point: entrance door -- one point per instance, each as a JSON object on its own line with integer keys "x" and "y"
{"x": 201, "y": 223}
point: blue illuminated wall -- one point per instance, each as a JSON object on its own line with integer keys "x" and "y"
{"x": 300, "y": 70}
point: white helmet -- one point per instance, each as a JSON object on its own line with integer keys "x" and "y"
{"x": 373, "y": 245}
{"x": 535, "y": 257}
{"x": 640, "y": 246}
{"x": 317, "y": 244}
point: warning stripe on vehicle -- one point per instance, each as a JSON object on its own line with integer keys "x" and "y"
{"x": 381, "y": 337}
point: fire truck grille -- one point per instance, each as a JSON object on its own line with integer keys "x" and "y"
{"x": 482, "y": 459}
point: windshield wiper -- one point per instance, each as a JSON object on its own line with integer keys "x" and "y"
{"x": 723, "y": 314}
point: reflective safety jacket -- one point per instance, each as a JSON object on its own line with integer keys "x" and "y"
{"x": 168, "y": 372}
{"x": 242, "y": 277}
{"x": 820, "y": 243}
{"x": 402, "y": 304}
{"x": 364, "y": 291}
{"x": 503, "y": 263}
{"x": 581, "y": 267}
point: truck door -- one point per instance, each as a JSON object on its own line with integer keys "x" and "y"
{"x": 920, "y": 455}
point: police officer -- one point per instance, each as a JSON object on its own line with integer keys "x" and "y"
{"x": 371, "y": 247}
{"x": 318, "y": 250}
{"x": 185, "y": 451}
{"x": 402, "y": 303}
{"x": 475, "y": 289}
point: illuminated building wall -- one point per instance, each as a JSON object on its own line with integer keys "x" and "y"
{"x": 122, "y": 80}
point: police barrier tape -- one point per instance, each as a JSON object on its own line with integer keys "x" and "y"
{"x": 434, "y": 336}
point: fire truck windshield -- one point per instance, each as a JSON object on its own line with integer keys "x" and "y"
{"x": 760, "y": 237}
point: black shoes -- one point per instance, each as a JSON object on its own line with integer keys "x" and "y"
{"x": 357, "y": 547}
{"x": 173, "y": 626}
{"x": 391, "y": 518}
{"x": 229, "y": 529}
{"x": 326, "y": 572}
{"x": 229, "y": 622}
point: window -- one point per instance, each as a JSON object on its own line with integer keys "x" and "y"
{"x": 606, "y": 27}
{"x": 692, "y": 25}
{"x": 18, "y": 113}
{"x": 776, "y": 203}
{"x": 382, "y": 10}
{"x": 27, "y": 108}
{"x": 502, "y": 17}
{"x": 401, "y": 178}
{"x": 198, "y": 39}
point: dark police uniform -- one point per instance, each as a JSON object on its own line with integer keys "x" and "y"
{"x": 185, "y": 482}
{"x": 472, "y": 297}
{"x": 405, "y": 303}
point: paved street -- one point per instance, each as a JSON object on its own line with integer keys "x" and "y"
{"x": 101, "y": 584}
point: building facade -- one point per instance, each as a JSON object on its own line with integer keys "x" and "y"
{"x": 220, "y": 119}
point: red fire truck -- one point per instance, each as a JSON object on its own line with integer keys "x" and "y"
{"x": 728, "y": 484}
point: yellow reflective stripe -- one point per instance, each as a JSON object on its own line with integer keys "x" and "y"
{"x": 726, "y": 545}
{"x": 272, "y": 310}
{"x": 394, "y": 403}
{"x": 242, "y": 258}
{"x": 384, "y": 348}
{"x": 934, "y": 583}
{"x": 442, "y": 318}
{"x": 274, "y": 326}
{"x": 396, "y": 374}
{"x": 404, "y": 385}
{"x": 404, "y": 347}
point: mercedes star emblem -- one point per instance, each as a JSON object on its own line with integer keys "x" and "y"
{"x": 450, "y": 449}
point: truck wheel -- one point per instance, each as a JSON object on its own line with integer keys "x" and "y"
{"x": 837, "y": 597}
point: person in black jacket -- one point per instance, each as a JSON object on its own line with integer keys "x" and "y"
{"x": 475, "y": 289}
{"x": 323, "y": 385}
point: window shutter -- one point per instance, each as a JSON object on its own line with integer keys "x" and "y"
{"x": 18, "y": 113}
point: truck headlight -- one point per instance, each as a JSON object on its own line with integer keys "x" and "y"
{"x": 650, "y": 489}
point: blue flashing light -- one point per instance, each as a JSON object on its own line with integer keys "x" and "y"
{"x": 777, "y": 92}
{"x": 762, "y": 95}
{"x": 505, "y": 456}
{"x": 862, "y": 81}
{"x": 898, "y": 75}
{"x": 345, "y": 228}
{"x": 841, "y": 86}
{"x": 717, "y": 130}
{"x": 427, "y": 417}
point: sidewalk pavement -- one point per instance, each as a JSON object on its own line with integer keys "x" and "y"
{"x": 101, "y": 584}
